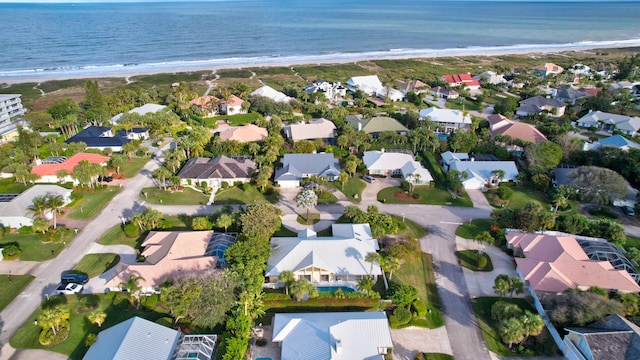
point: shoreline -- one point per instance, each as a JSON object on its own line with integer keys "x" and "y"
{"x": 126, "y": 71}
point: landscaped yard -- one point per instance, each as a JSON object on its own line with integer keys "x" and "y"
{"x": 132, "y": 167}
{"x": 234, "y": 120}
{"x": 419, "y": 274}
{"x": 521, "y": 195}
{"x": 409, "y": 228}
{"x": 353, "y": 187}
{"x": 115, "y": 305}
{"x": 426, "y": 195}
{"x": 482, "y": 308}
{"x": 463, "y": 105}
{"x": 469, "y": 230}
{"x": 91, "y": 202}
{"x": 116, "y": 236}
{"x": 324, "y": 303}
{"x": 236, "y": 195}
{"x": 313, "y": 218}
{"x": 469, "y": 259}
{"x": 33, "y": 249}
{"x": 187, "y": 196}
{"x": 11, "y": 286}
{"x": 96, "y": 264}
{"x": 9, "y": 185}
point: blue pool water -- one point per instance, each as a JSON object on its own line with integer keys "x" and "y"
{"x": 332, "y": 289}
{"x": 263, "y": 358}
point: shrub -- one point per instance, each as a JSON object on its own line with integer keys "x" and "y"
{"x": 415, "y": 196}
{"x": 505, "y": 193}
{"x": 482, "y": 262}
{"x": 90, "y": 339}
{"x": 201, "y": 223}
{"x": 246, "y": 187}
{"x": 393, "y": 322}
{"x": 131, "y": 231}
{"x": 405, "y": 186}
{"x": 164, "y": 224}
{"x": 25, "y": 230}
{"x": 165, "y": 321}
{"x": 150, "y": 302}
{"x": 403, "y": 315}
{"x": 324, "y": 195}
{"x": 47, "y": 338}
{"x": 402, "y": 295}
{"x": 224, "y": 185}
{"x": 11, "y": 251}
{"x": 419, "y": 356}
{"x": 420, "y": 308}
{"x": 276, "y": 297}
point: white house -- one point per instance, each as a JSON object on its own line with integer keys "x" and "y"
{"x": 332, "y": 335}
{"x": 273, "y": 94}
{"x": 331, "y": 90}
{"x": 491, "y": 77}
{"x": 480, "y": 174}
{"x": 232, "y": 106}
{"x": 337, "y": 260}
{"x": 396, "y": 163}
{"x": 609, "y": 122}
{"x": 316, "y": 129}
{"x": 447, "y": 120}
{"x": 369, "y": 84}
{"x": 14, "y": 208}
{"x": 296, "y": 167}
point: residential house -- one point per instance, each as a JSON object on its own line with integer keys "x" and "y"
{"x": 48, "y": 169}
{"x": 500, "y": 125}
{"x": 619, "y": 85}
{"x": 547, "y": 69}
{"x": 490, "y": 77}
{"x": 208, "y": 104}
{"x": 553, "y": 264}
{"x": 296, "y": 167}
{"x": 606, "y": 69}
{"x": 538, "y": 105}
{"x": 337, "y": 260}
{"x": 396, "y": 163}
{"x": 332, "y": 335}
{"x": 464, "y": 80}
{"x": 627, "y": 125}
{"x": 168, "y": 255}
{"x": 615, "y": 141}
{"x": 449, "y": 158}
{"x": 370, "y": 84}
{"x": 316, "y": 129}
{"x": 446, "y": 120}
{"x": 482, "y": 174}
{"x": 580, "y": 69}
{"x": 141, "y": 110}
{"x": 331, "y": 90}
{"x": 416, "y": 86}
{"x": 612, "y": 338}
{"x": 217, "y": 170}
{"x": 101, "y": 137}
{"x": 245, "y": 133}
{"x": 141, "y": 339}
{"x": 271, "y": 93}
{"x": 445, "y": 93}
{"x": 569, "y": 95}
{"x": 11, "y": 109}
{"x": 562, "y": 176}
{"x": 232, "y": 106}
{"x": 376, "y": 125}
{"x": 14, "y": 208}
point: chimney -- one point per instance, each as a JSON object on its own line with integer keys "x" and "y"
{"x": 359, "y": 126}
{"x": 38, "y": 162}
{"x": 382, "y": 150}
{"x": 473, "y": 158}
{"x": 338, "y": 346}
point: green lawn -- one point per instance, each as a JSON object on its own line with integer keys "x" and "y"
{"x": 427, "y": 195}
{"x": 437, "y": 356}
{"x": 96, "y": 264}
{"x": 632, "y": 241}
{"x": 419, "y": 274}
{"x": 12, "y": 286}
{"x": 330, "y": 199}
{"x": 313, "y": 218}
{"x": 284, "y": 232}
{"x": 187, "y": 196}
{"x": 409, "y": 228}
{"x": 234, "y": 120}
{"x": 351, "y": 188}
{"x": 132, "y": 167}
{"x": 521, "y": 195}
{"x": 115, "y": 305}
{"x": 469, "y": 259}
{"x": 33, "y": 249}
{"x": 115, "y": 235}
{"x": 463, "y": 105}
{"x": 91, "y": 202}
{"x": 235, "y": 195}
{"x": 9, "y": 185}
{"x": 469, "y": 230}
{"x": 482, "y": 308}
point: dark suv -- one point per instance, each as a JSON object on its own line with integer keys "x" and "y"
{"x": 69, "y": 277}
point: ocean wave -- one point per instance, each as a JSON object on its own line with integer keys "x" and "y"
{"x": 327, "y": 57}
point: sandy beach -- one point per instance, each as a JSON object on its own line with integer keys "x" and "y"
{"x": 125, "y": 71}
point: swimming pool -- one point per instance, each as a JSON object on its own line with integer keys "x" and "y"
{"x": 332, "y": 289}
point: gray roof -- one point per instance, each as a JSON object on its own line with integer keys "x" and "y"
{"x": 20, "y": 204}
{"x": 219, "y": 167}
{"x": 613, "y": 338}
{"x": 623, "y": 122}
{"x": 569, "y": 94}
{"x": 537, "y": 103}
{"x": 294, "y": 166}
{"x": 135, "y": 338}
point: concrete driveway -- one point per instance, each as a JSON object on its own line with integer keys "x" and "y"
{"x": 370, "y": 192}
{"x": 479, "y": 200}
{"x": 127, "y": 254}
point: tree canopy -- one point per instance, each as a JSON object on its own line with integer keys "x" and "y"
{"x": 599, "y": 185}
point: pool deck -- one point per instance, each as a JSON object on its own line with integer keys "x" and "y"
{"x": 271, "y": 350}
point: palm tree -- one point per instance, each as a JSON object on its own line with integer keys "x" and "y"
{"x": 498, "y": 175}
{"x": 287, "y": 277}
{"x": 390, "y": 264}
{"x": 52, "y": 317}
{"x": 515, "y": 286}
{"x": 501, "y": 285}
{"x": 343, "y": 178}
{"x": 54, "y": 204}
{"x": 371, "y": 258}
{"x": 532, "y": 324}
{"x": 38, "y": 207}
{"x": 410, "y": 177}
{"x": 511, "y": 331}
{"x": 97, "y": 317}
{"x": 133, "y": 288}
{"x": 559, "y": 201}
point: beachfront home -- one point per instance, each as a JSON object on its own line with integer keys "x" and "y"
{"x": 141, "y": 339}
{"x": 612, "y": 338}
{"x": 59, "y": 169}
{"x": 324, "y": 261}
{"x": 322, "y": 129}
{"x": 245, "y": 133}
{"x": 416, "y": 86}
{"x": 331, "y": 90}
{"x": 606, "y": 69}
{"x": 615, "y": 141}
{"x": 208, "y": 104}
{"x": 376, "y": 125}
{"x": 580, "y": 69}
{"x": 370, "y": 84}
{"x": 446, "y": 120}
{"x": 396, "y": 163}
{"x": 140, "y": 110}
{"x": 332, "y": 335}
{"x": 296, "y": 167}
{"x": 10, "y": 110}
{"x": 627, "y": 125}
{"x": 553, "y": 264}
{"x": 547, "y": 69}
{"x": 14, "y": 208}
{"x": 101, "y": 137}
{"x": 217, "y": 170}
{"x": 490, "y": 77}
{"x": 445, "y": 93}
{"x": 170, "y": 255}
{"x": 539, "y": 105}
{"x": 500, "y": 125}
{"x": 273, "y": 94}
{"x": 464, "y": 80}
{"x": 232, "y": 106}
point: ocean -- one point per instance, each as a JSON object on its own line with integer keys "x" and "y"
{"x": 104, "y": 38}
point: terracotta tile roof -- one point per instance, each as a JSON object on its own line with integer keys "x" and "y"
{"x": 233, "y": 101}
{"x": 549, "y": 67}
{"x": 204, "y": 101}
{"x": 557, "y": 263}
{"x": 500, "y": 125}
{"x": 457, "y": 79}
{"x": 245, "y": 133}
{"x": 69, "y": 164}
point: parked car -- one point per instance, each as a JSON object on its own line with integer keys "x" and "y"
{"x": 628, "y": 210}
{"x": 368, "y": 178}
{"x": 311, "y": 185}
{"x": 108, "y": 178}
{"x": 69, "y": 289}
{"x": 70, "y": 277}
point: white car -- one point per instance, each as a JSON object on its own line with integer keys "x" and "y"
{"x": 69, "y": 289}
